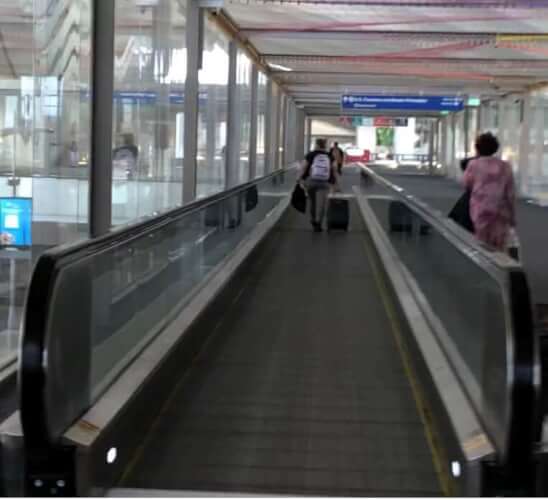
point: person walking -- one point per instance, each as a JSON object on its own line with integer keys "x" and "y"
{"x": 318, "y": 175}
{"x": 492, "y": 194}
{"x": 338, "y": 156}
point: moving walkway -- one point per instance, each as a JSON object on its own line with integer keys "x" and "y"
{"x": 225, "y": 347}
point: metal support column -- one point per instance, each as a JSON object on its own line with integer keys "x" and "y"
{"x": 431, "y": 147}
{"x": 290, "y": 133}
{"x": 300, "y": 132}
{"x": 283, "y": 130}
{"x": 253, "y": 127}
{"x": 211, "y": 134}
{"x": 443, "y": 145}
{"x": 268, "y": 128}
{"x": 308, "y": 138}
{"x": 233, "y": 123}
{"x": 524, "y": 147}
{"x": 194, "y": 29}
{"x": 466, "y": 130}
{"x": 100, "y": 181}
{"x": 277, "y": 128}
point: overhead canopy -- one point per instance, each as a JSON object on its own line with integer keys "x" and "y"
{"x": 321, "y": 49}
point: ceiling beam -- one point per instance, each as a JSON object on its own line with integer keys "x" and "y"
{"x": 309, "y": 58}
{"x": 451, "y": 4}
{"x": 372, "y": 33}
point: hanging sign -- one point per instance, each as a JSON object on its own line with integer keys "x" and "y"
{"x": 399, "y": 102}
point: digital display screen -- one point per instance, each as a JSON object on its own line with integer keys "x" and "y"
{"x": 15, "y": 222}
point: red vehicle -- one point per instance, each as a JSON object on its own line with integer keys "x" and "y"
{"x": 354, "y": 154}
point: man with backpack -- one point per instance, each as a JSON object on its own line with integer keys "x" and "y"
{"x": 318, "y": 175}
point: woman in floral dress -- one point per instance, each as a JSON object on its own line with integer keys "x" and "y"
{"x": 492, "y": 203}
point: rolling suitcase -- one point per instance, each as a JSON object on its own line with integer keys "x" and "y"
{"x": 338, "y": 214}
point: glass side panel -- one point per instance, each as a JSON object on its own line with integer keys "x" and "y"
{"x": 131, "y": 291}
{"x": 467, "y": 301}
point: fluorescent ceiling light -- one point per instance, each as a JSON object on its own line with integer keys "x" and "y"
{"x": 279, "y": 67}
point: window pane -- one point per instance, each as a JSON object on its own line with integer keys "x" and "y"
{"x": 261, "y": 123}
{"x": 44, "y": 141}
{"x": 150, "y": 72}
{"x": 213, "y": 112}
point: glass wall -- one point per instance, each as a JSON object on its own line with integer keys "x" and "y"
{"x": 262, "y": 102}
{"x": 243, "y": 115}
{"x": 44, "y": 141}
{"x": 149, "y": 78}
{"x": 213, "y": 105}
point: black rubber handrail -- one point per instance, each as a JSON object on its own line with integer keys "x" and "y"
{"x": 32, "y": 366}
{"x": 147, "y": 223}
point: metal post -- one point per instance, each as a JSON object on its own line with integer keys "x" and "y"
{"x": 194, "y": 25}
{"x": 211, "y": 133}
{"x": 431, "y": 138}
{"x": 300, "y": 132}
{"x": 100, "y": 178}
{"x": 233, "y": 123}
{"x": 308, "y": 144}
{"x": 268, "y": 128}
{"x": 466, "y": 130}
{"x": 283, "y": 129}
{"x": 443, "y": 145}
{"x": 277, "y": 126}
{"x": 524, "y": 147}
{"x": 254, "y": 119}
{"x": 289, "y": 133}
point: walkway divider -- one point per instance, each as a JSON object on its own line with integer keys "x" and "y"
{"x": 495, "y": 359}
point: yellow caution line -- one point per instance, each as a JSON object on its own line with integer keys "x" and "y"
{"x": 541, "y": 37}
{"x": 438, "y": 454}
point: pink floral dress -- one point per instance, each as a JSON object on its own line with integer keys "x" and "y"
{"x": 492, "y": 202}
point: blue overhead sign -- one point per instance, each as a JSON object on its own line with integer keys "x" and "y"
{"x": 149, "y": 97}
{"x": 400, "y": 102}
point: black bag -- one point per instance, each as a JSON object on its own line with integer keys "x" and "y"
{"x": 460, "y": 213}
{"x": 400, "y": 217}
{"x": 251, "y": 198}
{"x": 298, "y": 199}
{"x": 214, "y": 215}
{"x": 338, "y": 214}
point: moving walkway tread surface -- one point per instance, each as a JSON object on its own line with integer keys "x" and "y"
{"x": 301, "y": 388}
